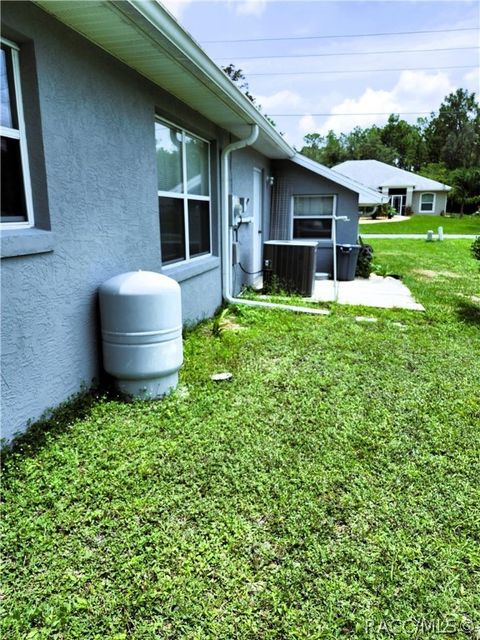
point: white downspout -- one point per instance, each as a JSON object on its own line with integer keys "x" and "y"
{"x": 227, "y": 236}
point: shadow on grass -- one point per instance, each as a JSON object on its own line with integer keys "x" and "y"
{"x": 53, "y": 423}
{"x": 468, "y": 312}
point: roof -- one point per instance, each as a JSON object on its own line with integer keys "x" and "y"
{"x": 377, "y": 174}
{"x": 147, "y": 38}
{"x": 366, "y": 196}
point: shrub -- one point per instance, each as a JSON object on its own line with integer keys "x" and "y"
{"x": 475, "y": 248}
{"x": 365, "y": 258}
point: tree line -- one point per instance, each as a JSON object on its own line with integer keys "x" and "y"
{"x": 444, "y": 146}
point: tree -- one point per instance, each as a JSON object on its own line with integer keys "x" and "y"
{"x": 237, "y": 76}
{"x": 466, "y": 186}
{"x": 453, "y": 136}
{"x": 406, "y": 140}
{"x": 436, "y": 171}
{"x": 366, "y": 144}
{"x": 328, "y": 150}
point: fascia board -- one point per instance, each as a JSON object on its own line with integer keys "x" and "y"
{"x": 166, "y": 25}
{"x": 368, "y": 195}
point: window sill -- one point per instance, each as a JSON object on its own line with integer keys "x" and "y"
{"x": 181, "y": 272}
{"x": 25, "y": 242}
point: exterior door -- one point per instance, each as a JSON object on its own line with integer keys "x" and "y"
{"x": 397, "y": 204}
{"x": 257, "y": 222}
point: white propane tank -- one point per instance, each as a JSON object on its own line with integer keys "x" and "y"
{"x": 141, "y": 317}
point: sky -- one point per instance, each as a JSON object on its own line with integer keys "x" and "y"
{"x": 324, "y": 83}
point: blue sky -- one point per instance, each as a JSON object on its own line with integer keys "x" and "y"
{"x": 416, "y": 80}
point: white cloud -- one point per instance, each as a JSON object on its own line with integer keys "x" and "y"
{"x": 307, "y": 124}
{"x": 415, "y": 91}
{"x": 281, "y": 101}
{"x": 249, "y": 7}
{"x": 472, "y": 81}
{"x": 176, "y": 7}
{"x": 240, "y": 7}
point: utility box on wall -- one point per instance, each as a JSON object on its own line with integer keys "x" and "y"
{"x": 290, "y": 265}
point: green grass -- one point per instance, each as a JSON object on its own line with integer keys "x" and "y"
{"x": 421, "y": 224}
{"x": 329, "y": 490}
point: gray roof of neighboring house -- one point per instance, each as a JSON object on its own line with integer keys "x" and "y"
{"x": 377, "y": 174}
{"x": 366, "y": 196}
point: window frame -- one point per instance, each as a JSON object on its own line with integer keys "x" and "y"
{"x": 427, "y": 193}
{"x": 20, "y": 135}
{"x": 185, "y": 196}
{"x": 319, "y": 217}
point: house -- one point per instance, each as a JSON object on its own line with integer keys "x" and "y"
{"x": 404, "y": 188}
{"x": 125, "y": 147}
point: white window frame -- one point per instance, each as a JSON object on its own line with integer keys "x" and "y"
{"x": 311, "y": 195}
{"x": 19, "y": 134}
{"x": 427, "y": 193}
{"x": 185, "y": 196}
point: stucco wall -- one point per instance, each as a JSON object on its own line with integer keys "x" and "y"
{"x": 290, "y": 180}
{"x": 440, "y": 204}
{"x": 100, "y": 196}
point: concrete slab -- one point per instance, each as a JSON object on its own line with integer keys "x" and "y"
{"x": 385, "y": 293}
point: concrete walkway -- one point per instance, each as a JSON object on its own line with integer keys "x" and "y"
{"x": 383, "y": 220}
{"x": 386, "y": 293}
{"x": 417, "y": 236}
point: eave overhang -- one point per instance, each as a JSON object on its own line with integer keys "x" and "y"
{"x": 146, "y": 37}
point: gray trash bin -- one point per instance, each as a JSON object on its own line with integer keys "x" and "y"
{"x": 347, "y": 256}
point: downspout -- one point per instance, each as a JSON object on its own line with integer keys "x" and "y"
{"x": 227, "y": 236}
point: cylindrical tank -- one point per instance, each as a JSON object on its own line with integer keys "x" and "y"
{"x": 141, "y": 317}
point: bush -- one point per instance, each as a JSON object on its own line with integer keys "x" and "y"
{"x": 365, "y": 259}
{"x": 475, "y": 248}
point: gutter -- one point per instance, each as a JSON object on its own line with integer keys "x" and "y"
{"x": 214, "y": 78}
{"x": 226, "y": 231}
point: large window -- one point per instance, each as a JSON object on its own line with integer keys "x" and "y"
{"x": 427, "y": 202}
{"x": 312, "y": 216}
{"x": 183, "y": 165}
{"x": 17, "y": 209}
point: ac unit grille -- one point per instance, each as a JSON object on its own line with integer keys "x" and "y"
{"x": 289, "y": 266}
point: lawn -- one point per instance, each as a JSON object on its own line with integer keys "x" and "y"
{"x": 469, "y": 225}
{"x": 329, "y": 490}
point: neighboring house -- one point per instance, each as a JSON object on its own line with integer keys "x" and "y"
{"x": 116, "y": 133}
{"x": 404, "y": 188}
{"x": 305, "y": 197}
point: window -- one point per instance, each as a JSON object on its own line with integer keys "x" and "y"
{"x": 183, "y": 166}
{"x": 427, "y": 202}
{"x": 312, "y": 216}
{"x": 17, "y": 209}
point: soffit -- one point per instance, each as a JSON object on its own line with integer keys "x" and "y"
{"x": 156, "y": 53}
